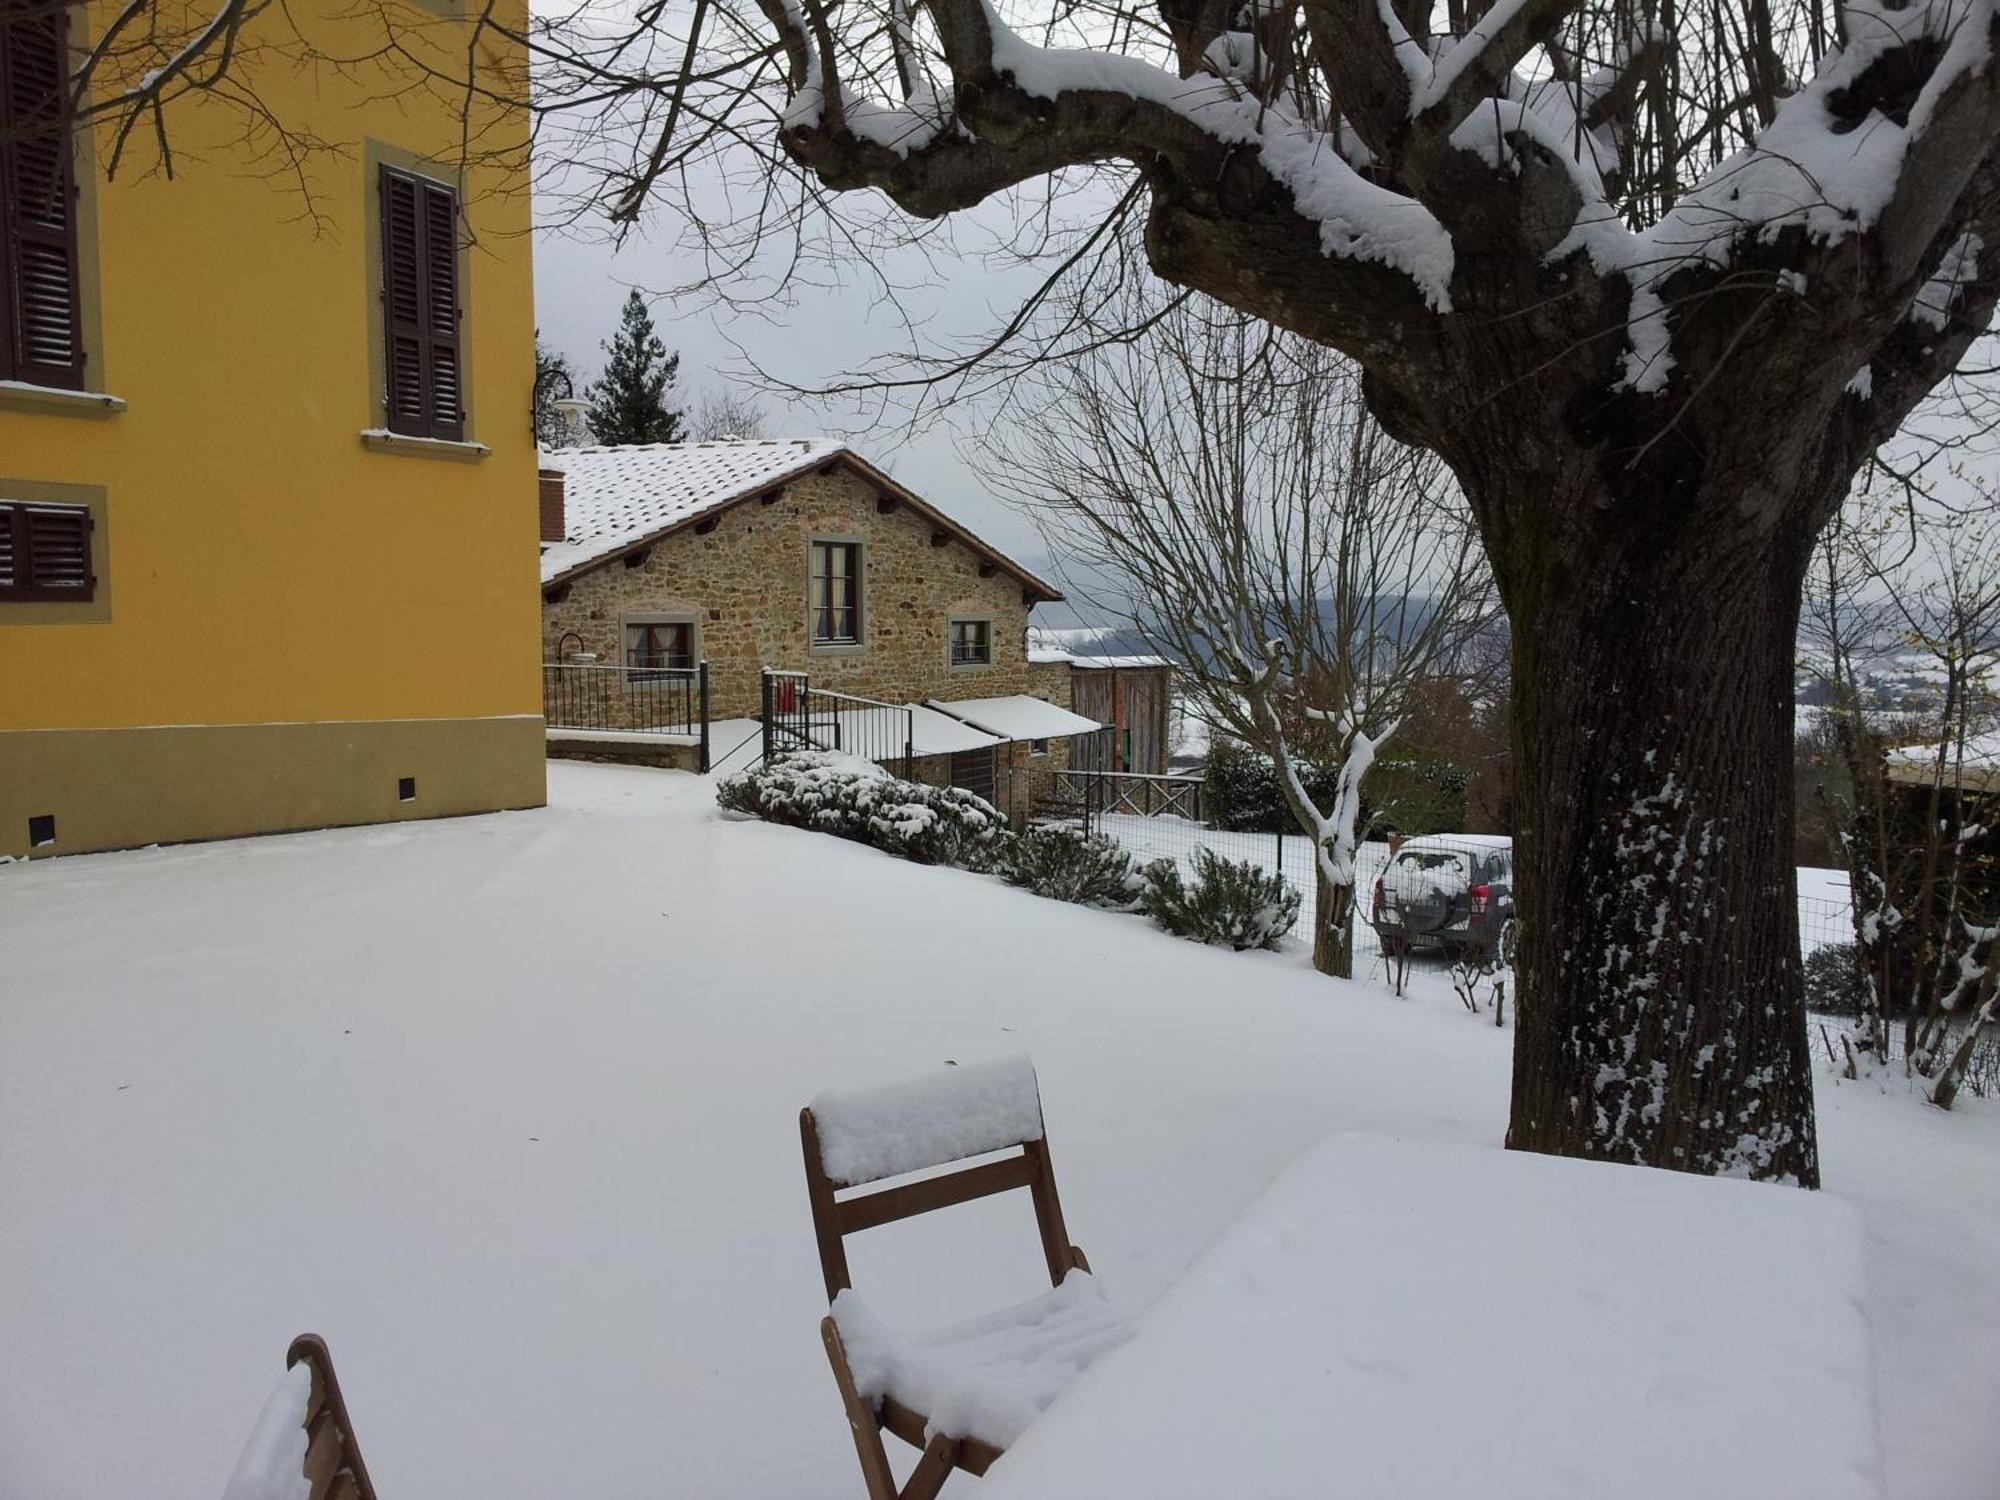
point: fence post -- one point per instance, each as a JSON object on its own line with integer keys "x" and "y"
{"x": 909, "y": 744}
{"x": 1281, "y": 852}
{"x": 765, "y": 718}
{"x": 704, "y": 718}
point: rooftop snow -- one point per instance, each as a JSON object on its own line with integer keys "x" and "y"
{"x": 1018, "y": 717}
{"x": 613, "y": 496}
{"x": 618, "y": 496}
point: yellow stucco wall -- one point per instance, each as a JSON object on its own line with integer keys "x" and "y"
{"x": 261, "y": 564}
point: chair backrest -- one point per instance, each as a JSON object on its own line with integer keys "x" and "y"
{"x": 856, "y": 1137}
{"x": 302, "y": 1432}
{"x": 333, "y": 1458}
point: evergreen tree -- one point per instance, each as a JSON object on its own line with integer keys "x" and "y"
{"x": 629, "y": 403}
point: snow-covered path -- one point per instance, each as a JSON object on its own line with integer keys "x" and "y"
{"x": 506, "y": 1108}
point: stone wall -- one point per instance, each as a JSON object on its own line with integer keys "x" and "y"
{"x": 745, "y": 586}
{"x": 1033, "y": 776}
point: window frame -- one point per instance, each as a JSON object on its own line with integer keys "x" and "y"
{"x": 384, "y": 162}
{"x": 857, "y": 579}
{"x": 951, "y": 656}
{"x": 632, "y": 674}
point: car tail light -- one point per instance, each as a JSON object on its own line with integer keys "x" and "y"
{"x": 1378, "y": 898}
{"x": 1479, "y": 893}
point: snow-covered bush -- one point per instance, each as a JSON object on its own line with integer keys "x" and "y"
{"x": 856, "y": 799}
{"x": 1230, "y": 903}
{"x": 1833, "y": 980}
{"x": 1066, "y": 866}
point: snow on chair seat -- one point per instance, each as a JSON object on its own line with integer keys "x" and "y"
{"x": 961, "y": 1394}
{"x": 990, "y": 1376}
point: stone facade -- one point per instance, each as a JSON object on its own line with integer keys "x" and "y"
{"x": 744, "y": 585}
{"x": 1033, "y": 776}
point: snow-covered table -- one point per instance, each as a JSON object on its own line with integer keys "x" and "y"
{"x": 1405, "y": 1322}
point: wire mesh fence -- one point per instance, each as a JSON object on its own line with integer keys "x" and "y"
{"x": 1823, "y": 918}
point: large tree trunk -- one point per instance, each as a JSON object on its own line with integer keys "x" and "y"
{"x": 1333, "y": 927}
{"x": 1661, "y": 1016}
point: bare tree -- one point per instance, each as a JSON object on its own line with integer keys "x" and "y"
{"x": 1913, "y": 585}
{"x": 1653, "y": 280}
{"x": 723, "y": 412}
{"x": 1222, "y": 490}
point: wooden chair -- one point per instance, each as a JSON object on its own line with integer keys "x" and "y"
{"x": 333, "y": 1458}
{"x": 332, "y": 1469}
{"x": 835, "y": 1217}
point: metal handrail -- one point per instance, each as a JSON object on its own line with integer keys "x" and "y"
{"x": 628, "y": 698}
{"x": 806, "y": 717}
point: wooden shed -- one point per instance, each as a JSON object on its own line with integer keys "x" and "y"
{"x": 1134, "y": 695}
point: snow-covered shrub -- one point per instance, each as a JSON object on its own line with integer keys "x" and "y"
{"x": 856, "y": 799}
{"x": 1066, "y": 866}
{"x": 1230, "y": 903}
{"x": 1833, "y": 982}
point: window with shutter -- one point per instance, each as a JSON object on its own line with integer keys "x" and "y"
{"x": 41, "y": 328}
{"x": 45, "y": 553}
{"x": 423, "y": 387}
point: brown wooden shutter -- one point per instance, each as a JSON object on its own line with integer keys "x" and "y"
{"x": 45, "y": 553}
{"x": 424, "y": 390}
{"x": 405, "y": 392}
{"x": 441, "y": 310}
{"x": 41, "y": 332}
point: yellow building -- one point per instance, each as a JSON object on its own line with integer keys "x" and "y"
{"x": 268, "y": 532}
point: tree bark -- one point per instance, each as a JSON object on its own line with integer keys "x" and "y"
{"x": 1333, "y": 927}
{"x": 1660, "y": 1015}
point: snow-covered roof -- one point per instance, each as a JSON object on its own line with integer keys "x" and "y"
{"x": 1044, "y": 655}
{"x": 1915, "y": 765}
{"x": 1449, "y": 841}
{"x": 1018, "y": 717}
{"x": 619, "y": 497}
{"x": 1102, "y": 663}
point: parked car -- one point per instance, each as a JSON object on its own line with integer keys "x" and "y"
{"x": 1454, "y": 891}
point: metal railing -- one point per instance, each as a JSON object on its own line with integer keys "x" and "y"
{"x": 593, "y": 697}
{"x": 798, "y": 716}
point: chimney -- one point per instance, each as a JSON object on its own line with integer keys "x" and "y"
{"x": 549, "y": 489}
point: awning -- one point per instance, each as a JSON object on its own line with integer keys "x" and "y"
{"x": 1018, "y": 717}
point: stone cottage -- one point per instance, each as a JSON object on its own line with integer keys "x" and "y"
{"x": 792, "y": 556}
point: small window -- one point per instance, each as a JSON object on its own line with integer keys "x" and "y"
{"x": 836, "y": 593}
{"x": 1038, "y": 747}
{"x": 45, "y": 554}
{"x": 972, "y": 643}
{"x": 654, "y": 651}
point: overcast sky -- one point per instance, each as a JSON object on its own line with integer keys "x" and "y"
{"x": 580, "y": 286}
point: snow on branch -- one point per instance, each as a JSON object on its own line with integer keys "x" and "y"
{"x": 1479, "y": 65}
{"x": 1955, "y": 274}
{"x": 1830, "y": 165}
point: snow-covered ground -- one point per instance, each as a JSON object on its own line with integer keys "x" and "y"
{"x": 506, "y": 1108}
